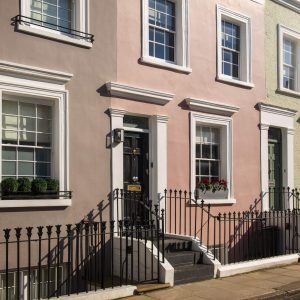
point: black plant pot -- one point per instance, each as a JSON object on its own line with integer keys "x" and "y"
{"x": 30, "y": 195}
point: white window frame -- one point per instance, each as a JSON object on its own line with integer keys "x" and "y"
{"x": 80, "y": 23}
{"x": 182, "y": 56}
{"x": 245, "y": 64}
{"x": 226, "y": 156}
{"x": 19, "y": 81}
{"x": 285, "y": 32}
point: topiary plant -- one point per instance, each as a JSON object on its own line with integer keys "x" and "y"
{"x": 9, "y": 185}
{"x": 52, "y": 185}
{"x": 24, "y": 184}
{"x": 39, "y": 185}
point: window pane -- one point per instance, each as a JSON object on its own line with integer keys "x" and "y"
{"x": 159, "y": 51}
{"x": 44, "y": 126}
{"x": 44, "y": 111}
{"x": 161, "y": 6}
{"x": 227, "y": 56}
{"x": 206, "y": 135}
{"x": 151, "y": 34}
{"x": 235, "y": 71}
{"x": 27, "y": 109}
{"x": 169, "y": 54}
{"x": 214, "y": 168}
{"x": 204, "y": 167}
{"x": 27, "y": 124}
{"x": 42, "y": 169}
{"x": 151, "y": 49}
{"x": 9, "y": 153}
{"x": 50, "y": 10}
{"x": 215, "y": 151}
{"x": 169, "y": 39}
{"x": 171, "y": 23}
{"x": 197, "y": 167}
{"x": 44, "y": 140}
{"x": 227, "y": 69}
{"x": 215, "y": 135}
{"x": 159, "y": 36}
{"x": 9, "y": 168}
{"x": 26, "y": 154}
{"x": 151, "y": 16}
{"x": 161, "y": 19}
{"x": 152, "y": 4}
{"x": 171, "y": 8}
{"x": 26, "y": 138}
{"x": 206, "y": 151}
{"x": 10, "y": 122}
{"x": 43, "y": 155}
{"x": 9, "y": 136}
{"x": 198, "y": 151}
{"x": 26, "y": 168}
{"x": 10, "y": 107}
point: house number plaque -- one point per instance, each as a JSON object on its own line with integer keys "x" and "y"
{"x": 134, "y": 188}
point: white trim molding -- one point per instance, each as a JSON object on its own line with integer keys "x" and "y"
{"x": 116, "y": 89}
{"x": 291, "y": 4}
{"x": 245, "y": 59}
{"x": 182, "y": 49}
{"x": 34, "y": 73}
{"x": 283, "y": 118}
{"x": 293, "y": 35}
{"x": 211, "y": 107}
{"x": 42, "y": 85}
{"x": 80, "y": 22}
{"x": 35, "y": 203}
{"x": 225, "y": 124}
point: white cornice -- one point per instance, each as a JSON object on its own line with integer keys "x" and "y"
{"x": 140, "y": 94}
{"x": 276, "y": 110}
{"x": 33, "y": 73}
{"x": 211, "y": 107}
{"x": 116, "y": 112}
{"x": 291, "y": 4}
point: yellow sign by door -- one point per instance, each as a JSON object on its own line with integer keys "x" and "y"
{"x": 134, "y": 188}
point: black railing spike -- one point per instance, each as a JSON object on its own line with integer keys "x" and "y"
{"x": 49, "y": 229}
{"x": 6, "y": 233}
{"x": 18, "y": 232}
{"x": 58, "y": 229}
{"x": 29, "y": 231}
{"x": 40, "y": 230}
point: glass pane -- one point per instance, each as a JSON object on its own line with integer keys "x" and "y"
{"x": 215, "y": 152}
{"x": 206, "y": 135}
{"x": 160, "y": 5}
{"x": 235, "y": 71}
{"x": 44, "y": 126}
{"x": 235, "y": 58}
{"x": 197, "y": 167}
{"x": 152, "y": 4}
{"x": 26, "y": 138}
{"x": 10, "y": 107}
{"x": 54, "y": 2}
{"x": 65, "y": 15}
{"x": 171, "y": 23}
{"x": 228, "y": 41}
{"x": 214, "y": 168}
{"x": 25, "y": 154}
{"x": 236, "y": 31}
{"x": 36, "y": 4}
{"x": 9, "y": 153}
{"x": 151, "y": 17}
{"x": 27, "y": 124}
{"x": 44, "y": 140}
{"x": 136, "y": 122}
{"x": 227, "y": 56}
{"x": 9, "y": 168}
{"x": 151, "y": 34}
{"x": 204, "y": 167}
{"x": 215, "y": 135}
{"x": 26, "y": 168}
{"x": 159, "y": 51}
{"x": 159, "y": 36}
{"x": 171, "y": 8}
{"x": 227, "y": 28}
{"x": 42, "y": 169}
{"x": 227, "y": 69}
{"x": 10, "y": 122}
{"x": 37, "y": 17}
{"x": 43, "y": 155}
{"x": 198, "y": 151}
{"x": 198, "y": 134}
{"x": 50, "y": 10}
{"x": 27, "y": 109}
{"x": 169, "y": 54}
{"x": 169, "y": 39}
{"x": 206, "y": 151}
{"x": 151, "y": 49}
{"x": 44, "y": 111}
{"x": 161, "y": 19}
{"x": 9, "y": 136}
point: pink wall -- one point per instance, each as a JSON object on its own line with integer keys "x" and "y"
{"x": 201, "y": 84}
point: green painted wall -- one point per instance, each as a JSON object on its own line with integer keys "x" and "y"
{"x": 277, "y": 14}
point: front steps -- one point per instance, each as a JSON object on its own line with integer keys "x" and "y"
{"x": 187, "y": 264}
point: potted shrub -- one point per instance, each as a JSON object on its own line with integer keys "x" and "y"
{"x": 52, "y": 187}
{"x": 211, "y": 189}
{"x": 39, "y": 187}
{"x": 8, "y": 187}
{"x": 24, "y": 185}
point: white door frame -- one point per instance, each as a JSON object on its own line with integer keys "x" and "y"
{"x": 157, "y": 159}
{"x": 283, "y": 118}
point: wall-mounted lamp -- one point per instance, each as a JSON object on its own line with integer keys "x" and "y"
{"x": 118, "y": 135}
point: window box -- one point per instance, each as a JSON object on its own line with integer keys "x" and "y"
{"x": 210, "y": 195}
{"x": 32, "y": 195}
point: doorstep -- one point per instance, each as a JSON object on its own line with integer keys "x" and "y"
{"x": 148, "y": 287}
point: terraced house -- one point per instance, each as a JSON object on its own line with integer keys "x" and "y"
{"x": 152, "y": 117}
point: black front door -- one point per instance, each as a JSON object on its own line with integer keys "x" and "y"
{"x": 136, "y": 174}
{"x": 275, "y": 169}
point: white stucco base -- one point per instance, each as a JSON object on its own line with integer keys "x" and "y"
{"x": 107, "y": 294}
{"x": 249, "y": 266}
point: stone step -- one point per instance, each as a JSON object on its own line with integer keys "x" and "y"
{"x": 178, "y": 258}
{"x": 148, "y": 287}
{"x": 192, "y": 273}
{"x": 173, "y": 245}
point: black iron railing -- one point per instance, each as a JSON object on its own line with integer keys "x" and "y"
{"x": 234, "y": 236}
{"x": 20, "y": 19}
{"x": 63, "y": 260}
{"x": 283, "y": 198}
